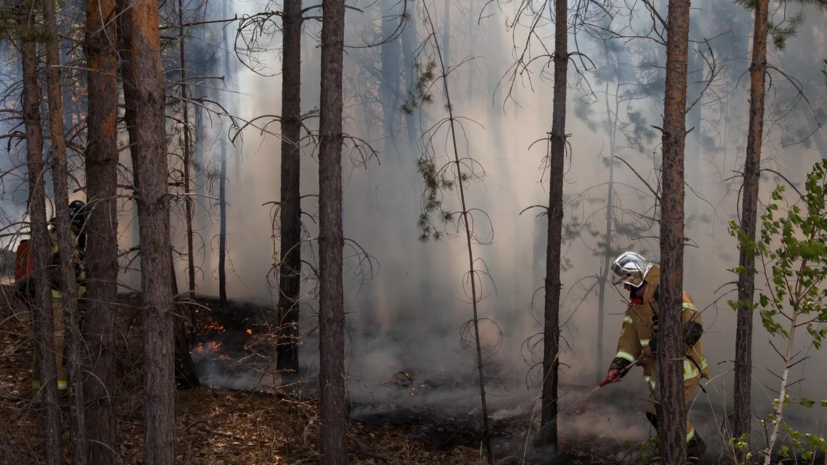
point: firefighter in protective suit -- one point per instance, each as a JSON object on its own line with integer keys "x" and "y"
{"x": 77, "y": 215}
{"x": 638, "y": 338}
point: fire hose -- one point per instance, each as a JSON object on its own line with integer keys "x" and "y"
{"x": 608, "y": 380}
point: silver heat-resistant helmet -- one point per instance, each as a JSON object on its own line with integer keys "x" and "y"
{"x": 630, "y": 268}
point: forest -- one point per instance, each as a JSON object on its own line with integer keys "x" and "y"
{"x": 413, "y": 232}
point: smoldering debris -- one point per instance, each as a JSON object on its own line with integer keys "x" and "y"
{"x": 425, "y": 385}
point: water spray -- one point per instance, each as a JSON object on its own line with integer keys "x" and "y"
{"x": 606, "y": 381}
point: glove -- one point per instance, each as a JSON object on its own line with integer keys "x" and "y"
{"x": 610, "y": 378}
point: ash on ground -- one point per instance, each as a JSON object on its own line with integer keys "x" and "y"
{"x": 431, "y": 391}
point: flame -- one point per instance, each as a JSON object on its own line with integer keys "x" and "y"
{"x": 249, "y": 331}
{"x": 211, "y": 345}
{"x": 215, "y": 326}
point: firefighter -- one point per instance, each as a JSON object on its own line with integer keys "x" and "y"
{"x": 77, "y": 216}
{"x": 638, "y": 338}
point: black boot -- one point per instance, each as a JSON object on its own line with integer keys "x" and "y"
{"x": 695, "y": 449}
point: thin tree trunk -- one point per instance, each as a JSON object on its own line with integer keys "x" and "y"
{"x": 778, "y": 414}
{"x": 604, "y": 279}
{"x": 185, "y": 376}
{"x": 331, "y": 305}
{"x": 290, "y": 211}
{"x": 42, "y": 311}
{"x": 408, "y": 47}
{"x": 472, "y": 29}
{"x": 66, "y": 247}
{"x": 222, "y": 190}
{"x": 187, "y": 152}
{"x": 672, "y": 424}
{"x": 390, "y": 78}
{"x": 749, "y": 214}
{"x": 145, "y": 99}
{"x": 102, "y": 229}
{"x": 202, "y": 212}
{"x": 446, "y": 36}
{"x": 551, "y": 338}
{"x": 467, "y": 225}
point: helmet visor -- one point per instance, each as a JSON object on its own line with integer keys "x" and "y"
{"x": 629, "y": 269}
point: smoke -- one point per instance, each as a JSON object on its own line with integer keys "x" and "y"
{"x": 409, "y": 317}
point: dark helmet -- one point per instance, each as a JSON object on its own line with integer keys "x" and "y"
{"x": 77, "y": 213}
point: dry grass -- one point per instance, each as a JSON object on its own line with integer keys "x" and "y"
{"x": 212, "y": 427}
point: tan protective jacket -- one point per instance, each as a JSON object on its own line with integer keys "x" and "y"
{"x": 640, "y": 326}
{"x": 79, "y": 262}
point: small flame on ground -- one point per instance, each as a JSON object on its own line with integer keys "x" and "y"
{"x": 249, "y": 331}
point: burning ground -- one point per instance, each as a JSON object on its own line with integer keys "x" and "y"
{"x": 431, "y": 395}
{"x": 414, "y": 412}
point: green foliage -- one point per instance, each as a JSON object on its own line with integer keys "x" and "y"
{"x": 788, "y": 28}
{"x": 419, "y": 95}
{"x": 793, "y": 253}
{"x": 793, "y": 247}
{"x": 648, "y": 450}
{"x": 12, "y": 25}
{"x": 739, "y": 444}
{"x": 781, "y": 33}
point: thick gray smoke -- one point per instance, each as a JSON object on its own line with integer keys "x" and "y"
{"x": 408, "y": 318}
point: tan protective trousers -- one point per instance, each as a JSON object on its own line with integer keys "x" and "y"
{"x": 689, "y": 386}
{"x": 57, "y": 312}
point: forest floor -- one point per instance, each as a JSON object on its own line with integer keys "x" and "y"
{"x": 212, "y": 427}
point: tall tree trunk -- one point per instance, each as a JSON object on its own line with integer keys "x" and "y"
{"x": 607, "y": 257}
{"x": 145, "y": 98}
{"x": 446, "y": 36}
{"x": 222, "y": 189}
{"x": 557, "y": 158}
{"x": 331, "y": 242}
{"x": 202, "y": 212}
{"x": 749, "y": 213}
{"x": 102, "y": 226}
{"x": 290, "y": 211}
{"x": 409, "y": 44}
{"x": 42, "y": 311}
{"x": 467, "y": 225}
{"x": 185, "y": 376}
{"x": 390, "y": 78}
{"x": 472, "y": 29}
{"x": 672, "y": 421}
{"x": 66, "y": 247}
{"x": 187, "y": 152}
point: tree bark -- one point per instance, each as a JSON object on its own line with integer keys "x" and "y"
{"x": 408, "y": 46}
{"x": 185, "y": 376}
{"x": 102, "y": 228}
{"x": 672, "y": 424}
{"x": 290, "y": 212}
{"x": 222, "y": 189}
{"x": 187, "y": 153}
{"x": 331, "y": 305}
{"x": 604, "y": 278}
{"x": 42, "y": 319}
{"x": 557, "y": 158}
{"x": 749, "y": 214}
{"x": 446, "y": 35}
{"x": 66, "y": 247}
{"x": 146, "y": 99}
{"x": 389, "y": 84}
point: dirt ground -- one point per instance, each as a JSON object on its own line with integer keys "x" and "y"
{"x": 212, "y": 427}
